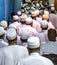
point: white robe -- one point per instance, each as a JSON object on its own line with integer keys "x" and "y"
{"x": 13, "y": 54}
{"x": 49, "y": 47}
{"x": 3, "y": 43}
{"x": 36, "y": 59}
{"x": 43, "y": 36}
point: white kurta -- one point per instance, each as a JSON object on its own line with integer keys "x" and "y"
{"x": 37, "y": 26}
{"x": 49, "y": 48}
{"x": 36, "y": 59}
{"x": 50, "y": 25}
{"x": 3, "y": 43}
{"x": 14, "y": 25}
{"x": 13, "y": 54}
{"x": 30, "y": 29}
{"x": 43, "y": 36}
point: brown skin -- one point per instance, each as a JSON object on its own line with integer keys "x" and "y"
{"x": 23, "y": 40}
{"x": 2, "y": 37}
{"x": 12, "y": 42}
{"x": 32, "y": 50}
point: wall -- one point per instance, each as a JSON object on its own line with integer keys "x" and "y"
{"x": 7, "y": 7}
{"x": 2, "y": 9}
{"x": 17, "y": 5}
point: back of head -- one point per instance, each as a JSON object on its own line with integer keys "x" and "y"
{"x": 45, "y": 17}
{"x": 19, "y": 13}
{"x": 29, "y": 21}
{"x": 33, "y": 44}
{"x": 24, "y": 34}
{"x": 37, "y": 12}
{"x": 44, "y": 25}
{"x": 52, "y": 9}
{"x": 52, "y": 35}
{"x": 4, "y": 24}
{"x": 11, "y": 34}
{"x": 23, "y": 18}
{"x": 15, "y": 18}
{"x": 33, "y": 15}
{"x": 46, "y": 12}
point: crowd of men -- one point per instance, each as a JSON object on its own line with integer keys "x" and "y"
{"x": 29, "y": 35}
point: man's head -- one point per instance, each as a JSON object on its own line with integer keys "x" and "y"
{"x": 4, "y": 24}
{"x": 24, "y": 34}
{"x": 15, "y": 18}
{"x": 33, "y": 15}
{"x": 52, "y": 35}
{"x": 52, "y": 9}
{"x": 29, "y": 21}
{"x": 33, "y": 44}
{"x": 44, "y": 25}
{"x": 11, "y": 36}
{"x": 45, "y": 17}
{"x": 23, "y": 19}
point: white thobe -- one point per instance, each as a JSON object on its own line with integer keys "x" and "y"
{"x": 36, "y": 59}
{"x": 3, "y": 43}
{"x": 13, "y": 54}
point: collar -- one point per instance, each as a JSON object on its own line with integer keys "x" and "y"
{"x": 44, "y": 30}
{"x": 35, "y": 54}
{"x": 1, "y": 39}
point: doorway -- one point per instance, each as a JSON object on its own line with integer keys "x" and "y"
{"x": 55, "y": 4}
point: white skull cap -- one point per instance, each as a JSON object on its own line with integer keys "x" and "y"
{"x": 52, "y": 8}
{"x": 23, "y": 17}
{"x": 33, "y": 42}
{"x": 37, "y": 12}
{"x": 46, "y": 12}
{"x": 4, "y": 24}
{"x": 15, "y": 17}
{"x": 12, "y": 26}
{"x": 19, "y": 13}
{"x": 44, "y": 24}
{"x": 29, "y": 20}
{"x": 24, "y": 33}
{"x": 11, "y": 34}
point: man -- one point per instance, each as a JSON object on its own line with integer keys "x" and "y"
{"x": 4, "y": 24}
{"x": 15, "y": 22}
{"x": 50, "y": 46}
{"x": 53, "y": 17}
{"x": 35, "y": 58}
{"x": 13, "y": 53}
{"x": 24, "y": 35}
{"x": 36, "y": 25}
{"x": 23, "y": 22}
{"x": 46, "y": 17}
{"x": 43, "y": 34}
{"x": 19, "y": 15}
{"x": 2, "y": 35}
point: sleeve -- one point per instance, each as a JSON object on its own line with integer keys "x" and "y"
{"x": 26, "y": 52}
{"x": 2, "y": 58}
{"x": 49, "y": 62}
